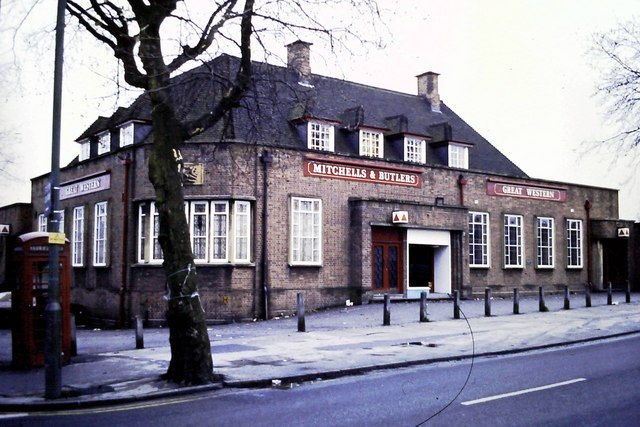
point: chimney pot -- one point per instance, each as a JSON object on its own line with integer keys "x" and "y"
{"x": 428, "y": 87}
{"x": 298, "y": 58}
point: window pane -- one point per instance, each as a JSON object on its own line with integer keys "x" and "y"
{"x": 513, "y": 241}
{"x": 306, "y": 231}
{"x": 77, "y": 245}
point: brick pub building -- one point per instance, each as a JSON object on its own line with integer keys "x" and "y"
{"x": 329, "y": 187}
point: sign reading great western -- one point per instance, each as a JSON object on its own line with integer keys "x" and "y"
{"x": 511, "y": 189}
{"x": 353, "y": 171}
{"x": 87, "y": 185}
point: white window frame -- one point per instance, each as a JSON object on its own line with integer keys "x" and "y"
{"x": 575, "y": 255}
{"x": 458, "y": 156}
{"x": 320, "y": 136}
{"x": 104, "y": 142}
{"x": 127, "y": 134}
{"x": 203, "y": 238}
{"x": 77, "y": 237}
{"x": 100, "y": 239}
{"x": 219, "y": 231}
{"x": 415, "y": 150}
{"x": 479, "y": 238}
{"x": 149, "y": 250}
{"x": 545, "y": 239}
{"x": 371, "y": 143}
{"x": 85, "y": 150}
{"x": 513, "y": 242}
{"x": 226, "y": 226}
{"x": 305, "y": 246}
{"x": 242, "y": 231}
{"x": 42, "y": 223}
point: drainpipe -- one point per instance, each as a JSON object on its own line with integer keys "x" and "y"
{"x": 267, "y": 159}
{"x": 587, "y": 208}
{"x": 126, "y": 161}
{"x": 462, "y": 181}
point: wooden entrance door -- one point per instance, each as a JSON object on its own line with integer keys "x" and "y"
{"x": 387, "y": 256}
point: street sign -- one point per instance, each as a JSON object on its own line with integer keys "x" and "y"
{"x": 56, "y": 238}
{"x": 48, "y": 201}
{"x": 5, "y": 229}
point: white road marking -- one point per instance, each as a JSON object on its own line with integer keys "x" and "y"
{"x": 8, "y": 416}
{"x": 517, "y": 393}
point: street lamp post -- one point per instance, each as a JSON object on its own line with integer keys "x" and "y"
{"x": 53, "y": 310}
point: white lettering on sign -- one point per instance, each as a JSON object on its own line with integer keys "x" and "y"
{"x": 88, "y": 186}
{"x": 509, "y": 189}
{"x": 357, "y": 172}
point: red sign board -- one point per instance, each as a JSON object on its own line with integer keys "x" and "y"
{"x": 353, "y": 171}
{"x": 511, "y": 189}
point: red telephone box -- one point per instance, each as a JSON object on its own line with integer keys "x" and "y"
{"x": 29, "y": 299}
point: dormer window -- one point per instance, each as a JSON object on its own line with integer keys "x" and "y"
{"x": 458, "y": 156}
{"x": 320, "y": 136}
{"x": 126, "y": 134}
{"x": 85, "y": 150}
{"x": 371, "y": 143}
{"x": 415, "y": 150}
{"x": 104, "y": 142}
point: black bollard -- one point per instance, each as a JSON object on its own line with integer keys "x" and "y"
{"x": 587, "y": 295}
{"x": 73, "y": 336}
{"x": 627, "y": 296}
{"x": 487, "y": 302}
{"x": 516, "y": 301}
{"x": 300, "y": 313}
{"x": 609, "y": 295}
{"x": 541, "y": 305}
{"x": 139, "y": 333}
{"x": 423, "y": 307}
{"x": 386, "y": 315}
{"x": 456, "y": 304}
{"x": 567, "y": 303}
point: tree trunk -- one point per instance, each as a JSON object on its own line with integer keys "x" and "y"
{"x": 191, "y": 361}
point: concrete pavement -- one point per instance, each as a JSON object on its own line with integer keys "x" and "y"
{"x": 339, "y": 341}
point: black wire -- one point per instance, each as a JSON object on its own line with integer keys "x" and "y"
{"x": 466, "y": 381}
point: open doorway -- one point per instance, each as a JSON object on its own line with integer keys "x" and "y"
{"x": 421, "y": 267}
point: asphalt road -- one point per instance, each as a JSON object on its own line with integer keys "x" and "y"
{"x": 588, "y": 385}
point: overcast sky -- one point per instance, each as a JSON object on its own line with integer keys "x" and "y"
{"x": 516, "y": 71}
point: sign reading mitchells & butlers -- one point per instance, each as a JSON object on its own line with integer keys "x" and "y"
{"x": 511, "y": 189}
{"x": 353, "y": 171}
{"x": 86, "y": 185}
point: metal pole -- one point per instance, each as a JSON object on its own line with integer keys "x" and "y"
{"x": 609, "y": 295}
{"x": 456, "y": 304}
{"x": 487, "y": 302}
{"x": 627, "y": 296}
{"x": 567, "y": 302}
{"x": 541, "y": 305}
{"x": 587, "y": 295}
{"x": 386, "y": 315}
{"x": 53, "y": 311}
{"x": 516, "y": 301}
{"x": 300, "y": 313}
{"x": 139, "y": 333}
{"x": 423, "y": 307}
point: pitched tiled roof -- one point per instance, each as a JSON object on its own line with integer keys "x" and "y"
{"x": 267, "y": 114}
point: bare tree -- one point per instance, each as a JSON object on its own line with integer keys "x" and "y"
{"x": 617, "y": 54}
{"x": 136, "y": 32}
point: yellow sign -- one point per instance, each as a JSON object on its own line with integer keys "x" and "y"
{"x": 56, "y": 238}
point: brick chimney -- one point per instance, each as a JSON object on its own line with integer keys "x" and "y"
{"x": 428, "y": 87}
{"x": 298, "y": 54}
